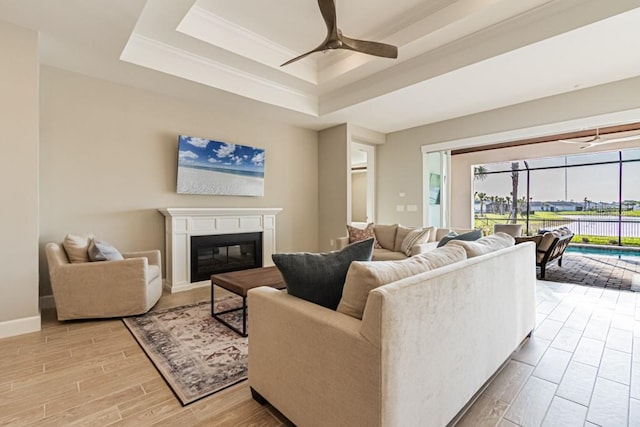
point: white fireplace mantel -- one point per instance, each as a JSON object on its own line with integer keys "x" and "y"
{"x": 182, "y": 223}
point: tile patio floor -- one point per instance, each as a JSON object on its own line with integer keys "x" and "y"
{"x": 597, "y": 270}
{"x": 581, "y": 367}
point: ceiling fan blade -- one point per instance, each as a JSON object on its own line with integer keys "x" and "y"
{"x": 318, "y": 49}
{"x": 369, "y": 47}
{"x": 574, "y": 141}
{"x": 328, "y": 10}
{"x": 622, "y": 139}
{"x": 600, "y": 141}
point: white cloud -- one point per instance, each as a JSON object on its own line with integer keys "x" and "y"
{"x": 245, "y": 157}
{"x": 198, "y": 142}
{"x": 225, "y": 150}
{"x": 187, "y": 155}
{"x": 258, "y": 158}
{"x": 213, "y": 160}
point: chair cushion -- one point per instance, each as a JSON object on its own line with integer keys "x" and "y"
{"x": 77, "y": 247}
{"x": 153, "y": 271}
{"x": 319, "y": 278}
{"x": 362, "y": 277}
{"x": 472, "y": 235}
{"x": 514, "y": 230}
{"x": 485, "y": 244}
{"x": 103, "y": 251}
{"x": 386, "y": 235}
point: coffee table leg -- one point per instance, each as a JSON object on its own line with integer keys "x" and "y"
{"x": 216, "y": 316}
{"x": 212, "y": 302}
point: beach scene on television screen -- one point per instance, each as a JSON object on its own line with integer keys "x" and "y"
{"x": 212, "y": 167}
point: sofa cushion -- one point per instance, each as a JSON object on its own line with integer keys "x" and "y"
{"x": 102, "y": 251}
{"x": 365, "y": 276}
{"x": 387, "y": 255}
{"x": 470, "y": 236}
{"x": 77, "y": 247}
{"x": 359, "y": 234}
{"x": 485, "y": 244}
{"x": 319, "y": 278}
{"x": 415, "y": 237}
{"x": 386, "y": 235}
{"x": 401, "y": 233}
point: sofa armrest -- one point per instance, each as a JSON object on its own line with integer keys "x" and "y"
{"x": 305, "y": 358}
{"x": 341, "y": 242}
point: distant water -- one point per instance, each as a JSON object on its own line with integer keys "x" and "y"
{"x": 255, "y": 174}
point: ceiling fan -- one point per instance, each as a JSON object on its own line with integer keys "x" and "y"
{"x": 598, "y": 140}
{"x": 336, "y": 40}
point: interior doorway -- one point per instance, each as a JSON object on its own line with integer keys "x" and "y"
{"x": 362, "y": 183}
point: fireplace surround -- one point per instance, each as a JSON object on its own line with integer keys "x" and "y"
{"x": 181, "y": 224}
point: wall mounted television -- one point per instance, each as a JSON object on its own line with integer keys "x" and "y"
{"x": 206, "y": 166}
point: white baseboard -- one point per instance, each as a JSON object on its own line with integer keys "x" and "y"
{"x": 15, "y": 327}
{"x": 47, "y": 301}
{"x": 188, "y": 286}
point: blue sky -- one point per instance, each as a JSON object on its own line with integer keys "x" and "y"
{"x": 597, "y": 183}
{"x": 193, "y": 151}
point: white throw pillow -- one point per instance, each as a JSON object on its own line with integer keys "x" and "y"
{"x": 485, "y": 245}
{"x": 77, "y": 247}
{"x": 365, "y": 276}
{"x": 414, "y": 237}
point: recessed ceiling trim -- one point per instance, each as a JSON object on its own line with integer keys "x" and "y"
{"x": 151, "y": 53}
{"x": 206, "y": 26}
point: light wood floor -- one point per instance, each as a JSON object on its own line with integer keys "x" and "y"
{"x": 581, "y": 367}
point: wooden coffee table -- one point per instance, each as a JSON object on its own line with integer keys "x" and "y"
{"x": 239, "y": 283}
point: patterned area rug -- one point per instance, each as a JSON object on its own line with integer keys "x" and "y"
{"x": 196, "y": 355}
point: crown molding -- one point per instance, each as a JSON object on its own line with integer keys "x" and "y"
{"x": 208, "y": 27}
{"x": 160, "y": 56}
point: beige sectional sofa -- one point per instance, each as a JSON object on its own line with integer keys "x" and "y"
{"x": 425, "y": 345}
{"x": 390, "y": 238}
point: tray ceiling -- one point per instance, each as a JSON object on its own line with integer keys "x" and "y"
{"x": 455, "y": 57}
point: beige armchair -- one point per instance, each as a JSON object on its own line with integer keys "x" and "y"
{"x": 104, "y": 289}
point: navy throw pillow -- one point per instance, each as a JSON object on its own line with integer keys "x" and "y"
{"x": 470, "y": 236}
{"x": 320, "y": 277}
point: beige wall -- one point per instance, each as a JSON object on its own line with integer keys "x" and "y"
{"x": 400, "y": 159}
{"x": 334, "y": 184}
{"x": 19, "y": 181}
{"x": 109, "y": 161}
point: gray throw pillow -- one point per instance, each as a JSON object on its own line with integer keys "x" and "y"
{"x": 468, "y": 237}
{"x": 102, "y": 251}
{"x": 319, "y": 277}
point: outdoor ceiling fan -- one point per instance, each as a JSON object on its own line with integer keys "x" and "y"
{"x": 598, "y": 140}
{"x": 336, "y": 40}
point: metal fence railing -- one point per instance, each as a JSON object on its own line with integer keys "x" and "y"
{"x": 612, "y": 227}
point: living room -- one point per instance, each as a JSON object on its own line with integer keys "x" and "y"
{"x": 84, "y": 153}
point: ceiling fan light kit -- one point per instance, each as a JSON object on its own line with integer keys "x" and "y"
{"x": 336, "y": 40}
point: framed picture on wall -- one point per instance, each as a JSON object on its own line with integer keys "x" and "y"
{"x": 206, "y": 166}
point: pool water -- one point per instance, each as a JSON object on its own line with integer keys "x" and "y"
{"x": 605, "y": 251}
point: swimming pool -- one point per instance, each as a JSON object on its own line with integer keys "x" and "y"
{"x": 625, "y": 252}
